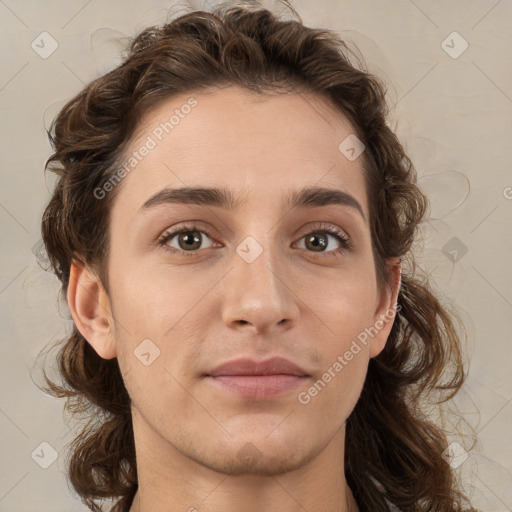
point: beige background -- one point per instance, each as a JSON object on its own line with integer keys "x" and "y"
{"x": 452, "y": 113}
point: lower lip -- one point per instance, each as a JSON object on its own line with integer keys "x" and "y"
{"x": 258, "y": 386}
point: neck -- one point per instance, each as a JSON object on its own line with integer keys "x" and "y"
{"x": 169, "y": 481}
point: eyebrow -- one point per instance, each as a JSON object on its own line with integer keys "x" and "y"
{"x": 225, "y": 198}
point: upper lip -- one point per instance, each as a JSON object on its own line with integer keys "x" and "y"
{"x": 246, "y": 366}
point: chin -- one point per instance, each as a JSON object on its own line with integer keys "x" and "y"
{"x": 251, "y": 461}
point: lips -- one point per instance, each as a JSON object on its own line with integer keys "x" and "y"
{"x": 257, "y": 379}
{"x": 249, "y": 367}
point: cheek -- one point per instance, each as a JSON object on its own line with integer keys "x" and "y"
{"x": 153, "y": 286}
{"x": 157, "y": 332}
{"x": 332, "y": 394}
{"x": 156, "y": 389}
{"x": 147, "y": 305}
{"x": 343, "y": 343}
{"x": 345, "y": 311}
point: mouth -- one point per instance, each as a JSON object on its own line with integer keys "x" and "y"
{"x": 258, "y": 379}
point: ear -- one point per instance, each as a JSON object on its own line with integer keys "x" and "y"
{"x": 385, "y": 313}
{"x": 90, "y": 308}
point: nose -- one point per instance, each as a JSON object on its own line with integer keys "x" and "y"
{"x": 258, "y": 291}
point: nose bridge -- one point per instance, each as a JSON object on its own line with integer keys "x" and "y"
{"x": 257, "y": 291}
{"x": 259, "y": 260}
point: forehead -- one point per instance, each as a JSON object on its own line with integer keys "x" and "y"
{"x": 263, "y": 144}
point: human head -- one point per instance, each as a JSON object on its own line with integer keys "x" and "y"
{"x": 203, "y": 54}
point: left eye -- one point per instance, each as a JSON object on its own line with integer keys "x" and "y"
{"x": 187, "y": 239}
{"x": 319, "y": 240}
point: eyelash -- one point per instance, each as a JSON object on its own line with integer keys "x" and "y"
{"x": 322, "y": 228}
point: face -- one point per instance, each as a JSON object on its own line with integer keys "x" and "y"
{"x": 197, "y": 282}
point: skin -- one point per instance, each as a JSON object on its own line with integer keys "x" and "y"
{"x": 202, "y": 310}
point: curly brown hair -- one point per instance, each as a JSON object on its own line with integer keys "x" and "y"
{"x": 394, "y": 453}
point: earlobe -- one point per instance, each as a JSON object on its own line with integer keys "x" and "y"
{"x": 386, "y": 310}
{"x": 90, "y": 308}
